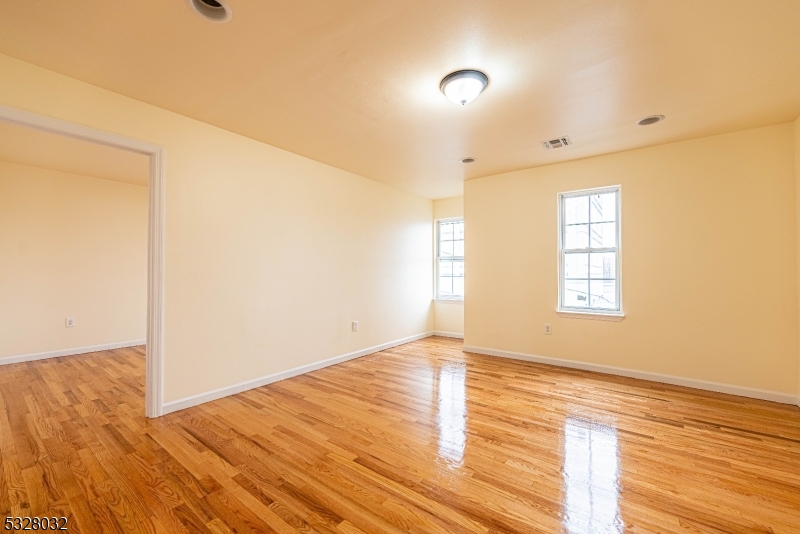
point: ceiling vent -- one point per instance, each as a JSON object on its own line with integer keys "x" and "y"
{"x": 558, "y": 142}
{"x": 213, "y": 10}
{"x": 652, "y": 119}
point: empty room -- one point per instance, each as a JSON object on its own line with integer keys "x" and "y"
{"x": 400, "y": 266}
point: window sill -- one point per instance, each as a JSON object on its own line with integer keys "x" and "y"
{"x": 597, "y": 316}
{"x": 460, "y": 301}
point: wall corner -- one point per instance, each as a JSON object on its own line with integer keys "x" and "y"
{"x": 797, "y": 233}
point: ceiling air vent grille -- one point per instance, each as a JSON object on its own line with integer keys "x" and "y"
{"x": 558, "y": 142}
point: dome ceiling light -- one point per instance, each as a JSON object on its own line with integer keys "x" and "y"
{"x": 467, "y": 160}
{"x": 652, "y": 119}
{"x": 463, "y": 86}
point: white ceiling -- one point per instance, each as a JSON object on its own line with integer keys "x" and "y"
{"x": 354, "y": 83}
{"x": 27, "y": 146}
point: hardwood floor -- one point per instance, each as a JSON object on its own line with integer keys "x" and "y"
{"x": 419, "y": 438}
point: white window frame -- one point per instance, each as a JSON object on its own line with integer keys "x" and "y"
{"x": 437, "y": 224}
{"x": 597, "y": 313}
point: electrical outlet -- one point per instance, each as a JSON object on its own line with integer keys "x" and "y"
{"x": 355, "y": 326}
{"x": 548, "y": 329}
{"x": 70, "y": 322}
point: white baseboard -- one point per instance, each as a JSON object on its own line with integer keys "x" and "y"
{"x": 69, "y": 352}
{"x": 201, "y": 398}
{"x": 775, "y": 396}
{"x": 448, "y": 334}
{"x": 208, "y": 396}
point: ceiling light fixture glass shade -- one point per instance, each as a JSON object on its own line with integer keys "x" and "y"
{"x": 464, "y": 86}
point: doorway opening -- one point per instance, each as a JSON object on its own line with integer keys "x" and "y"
{"x": 37, "y": 141}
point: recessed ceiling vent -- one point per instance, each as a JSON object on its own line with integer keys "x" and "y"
{"x": 213, "y": 10}
{"x": 652, "y": 119}
{"x": 558, "y": 142}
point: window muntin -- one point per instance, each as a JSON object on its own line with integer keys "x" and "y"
{"x": 589, "y": 255}
{"x": 450, "y": 259}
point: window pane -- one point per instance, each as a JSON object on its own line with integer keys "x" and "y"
{"x": 458, "y": 230}
{"x": 603, "y": 235}
{"x": 458, "y": 248}
{"x": 604, "y": 207}
{"x": 576, "y": 265}
{"x": 458, "y": 286}
{"x": 446, "y": 231}
{"x": 603, "y": 265}
{"x": 576, "y": 236}
{"x": 575, "y": 293}
{"x": 445, "y": 286}
{"x": 446, "y": 249}
{"x": 445, "y": 268}
{"x": 458, "y": 268}
{"x": 603, "y": 294}
{"x": 576, "y": 210}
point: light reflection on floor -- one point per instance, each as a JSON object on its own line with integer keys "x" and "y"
{"x": 452, "y": 416}
{"x": 591, "y": 478}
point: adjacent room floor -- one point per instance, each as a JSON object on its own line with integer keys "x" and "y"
{"x": 419, "y": 438}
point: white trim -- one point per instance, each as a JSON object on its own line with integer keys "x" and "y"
{"x": 456, "y": 301}
{"x": 448, "y": 334}
{"x": 8, "y": 360}
{"x": 775, "y": 396}
{"x": 154, "y": 383}
{"x": 155, "y": 240}
{"x": 200, "y": 398}
{"x": 597, "y": 316}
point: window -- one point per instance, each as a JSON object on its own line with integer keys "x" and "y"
{"x": 589, "y": 258}
{"x": 450, "y": 259}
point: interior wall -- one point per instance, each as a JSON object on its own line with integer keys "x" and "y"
{"x": 70, "y": 246}
{"x": 709, "y": 282}
{"x": 448, "y": 315}
{"x": 269, "y": 255}
{"x": 797, "y": 196}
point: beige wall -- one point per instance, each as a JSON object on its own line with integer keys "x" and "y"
{"x": 448, "y": 315}
{"x": 444, "y": 208}
{"x": 797, "y": 193}
{"x": 269, "y": 255}
{"x": 70, "y": 246}
{"x": 708, "y": 261}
